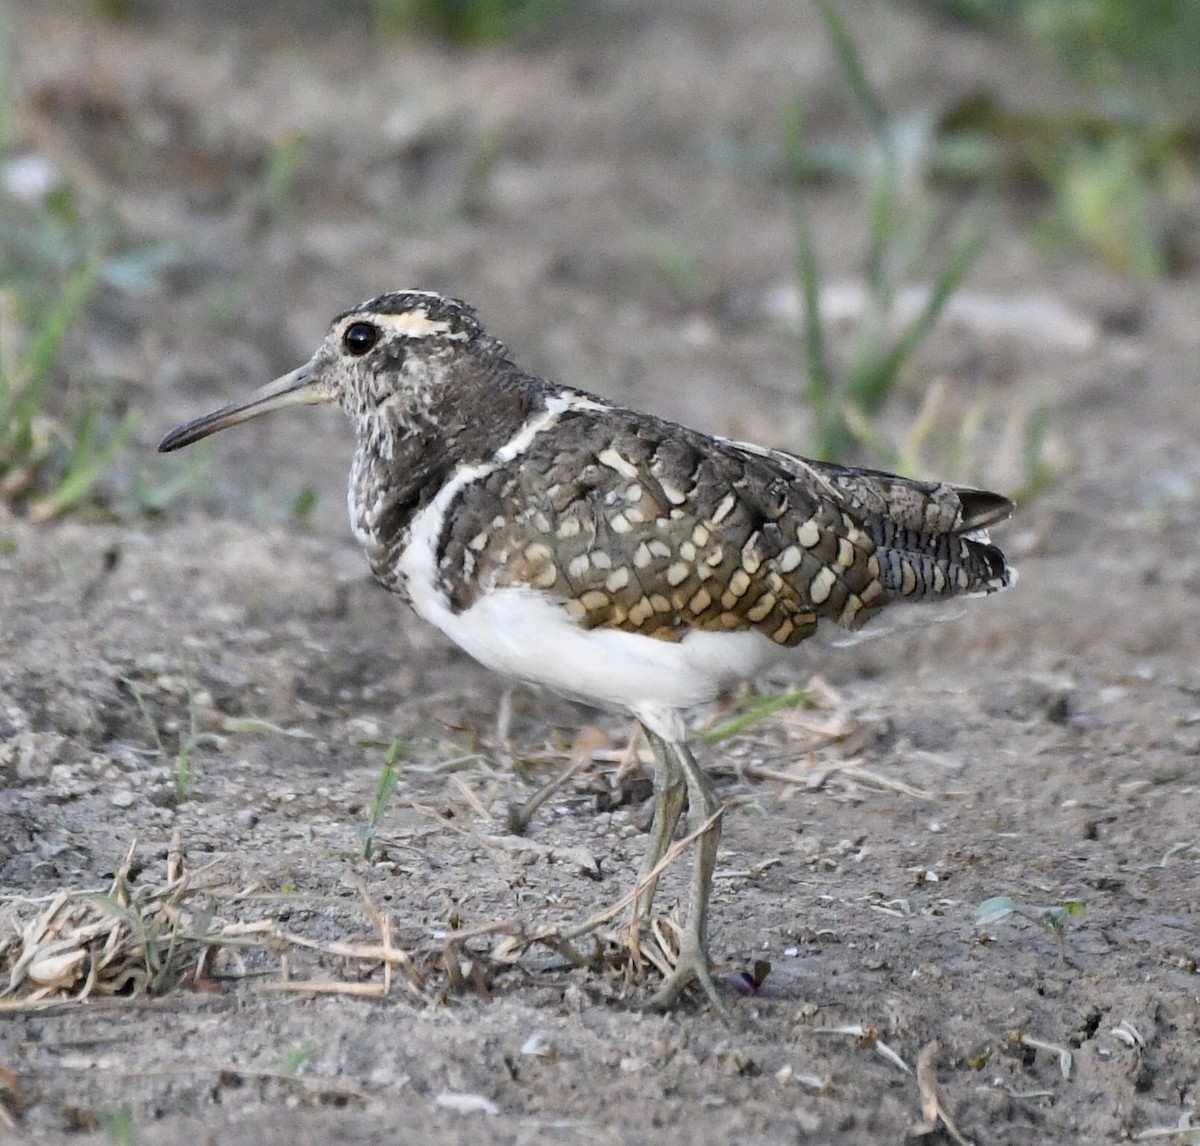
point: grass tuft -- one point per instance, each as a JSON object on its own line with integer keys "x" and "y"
{"x": 47, "y": 467}
{"x": 188, "y": 742}
{"x": 846, "y": 405}
{"x": 1118, "y": 175}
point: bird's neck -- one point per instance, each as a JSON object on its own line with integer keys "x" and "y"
{"x": 406, "y": 453}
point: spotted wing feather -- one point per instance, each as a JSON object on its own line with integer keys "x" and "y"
{"x": 642, "y": 525}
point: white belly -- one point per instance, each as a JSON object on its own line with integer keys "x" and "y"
{"x": 533, "y": 639}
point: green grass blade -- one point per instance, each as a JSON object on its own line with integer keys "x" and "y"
{"x": 34, "y": 365}
{"x": 144, "y": 709}
{"x": 758, "y": 708}
{"x": 882, "y": 214}
{"x": 86, "y": 465}
{"x": 852, "y": 68}
{"x": 389, "y": 777}
{"x": 871, "y": 388}
{"x": 820, "y": 383}
{"x": 43, "y": 348}
{"x": 820, "y": 386}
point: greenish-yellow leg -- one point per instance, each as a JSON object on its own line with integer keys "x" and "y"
{"x": 676, "y": 763}
{"x": 670, "y": 793}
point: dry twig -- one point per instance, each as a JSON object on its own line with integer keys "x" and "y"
{"x": 933, "y": 1106}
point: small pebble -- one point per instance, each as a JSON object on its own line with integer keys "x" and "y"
{"x": 537, "y": 1044}
{"x": 467, "y": 1103}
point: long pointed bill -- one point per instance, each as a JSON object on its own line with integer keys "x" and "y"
{"x": 294, "y": 389}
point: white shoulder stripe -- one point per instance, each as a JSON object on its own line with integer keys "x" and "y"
{"x": 418, "y": 562}
{"x": 795, "y": 465}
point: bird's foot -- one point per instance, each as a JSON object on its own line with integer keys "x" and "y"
{"x": 691, "y": 966}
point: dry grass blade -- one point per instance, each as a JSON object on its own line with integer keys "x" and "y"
{"x": 816, "y": 778}
{"x": 467, "y": 833}
{"x": 868, "y": 1038}
{"x": 327, "y": 987}
{"x": 384, "y": 952}
{"x": 664, "y": 953}
{"x": 587, "y": 743}
{"x": 460, "y": 974}
{"x": 634, "y": 754}
{"x": 1186, "y": 1130}
{"x": 1066, "y": 1060}
{"x": 637, "y": 753}
{"x": 476, "y": 804}
{"x": 669, "y": 857}
{"x": 933, "y": 1107}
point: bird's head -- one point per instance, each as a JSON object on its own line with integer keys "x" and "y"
{"x": 389, "y": 353}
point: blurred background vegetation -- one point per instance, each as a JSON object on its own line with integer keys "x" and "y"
{"x": 1112, "y": 178}
{"x": 1122, "y": 175}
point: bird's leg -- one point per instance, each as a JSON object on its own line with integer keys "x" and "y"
{"x": 692, "y": 963}
{"x": 670, "y": 789}
{"x": 670, "y": 795}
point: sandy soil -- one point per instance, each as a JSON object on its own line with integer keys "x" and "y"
{"x": 1041, "y": 745}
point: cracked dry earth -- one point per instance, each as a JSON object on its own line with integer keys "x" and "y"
{"x": 1040, "y": 745}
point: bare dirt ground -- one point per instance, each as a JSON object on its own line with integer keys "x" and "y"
{"x": 1041, "y": 745}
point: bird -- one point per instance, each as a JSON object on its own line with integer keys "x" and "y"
{"x": 611, "y": 556}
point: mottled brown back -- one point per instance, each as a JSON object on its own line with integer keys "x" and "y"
{"x": 642, "y": 525}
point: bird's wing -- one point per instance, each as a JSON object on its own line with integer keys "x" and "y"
{"x": 639, "y": 524}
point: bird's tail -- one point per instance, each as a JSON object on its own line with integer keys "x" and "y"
{"x": 931, "y": 538}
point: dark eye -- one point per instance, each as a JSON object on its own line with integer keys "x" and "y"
{"x": 359, "y": 337}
